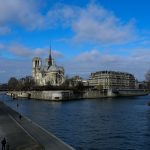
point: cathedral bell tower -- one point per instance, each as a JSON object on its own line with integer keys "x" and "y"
{"x": 36, "y": 66}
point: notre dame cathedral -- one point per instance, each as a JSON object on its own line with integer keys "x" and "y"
{"x": 48, "y": 73}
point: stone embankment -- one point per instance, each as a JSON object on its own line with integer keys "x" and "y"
{"x": 22, "y": 134}
{"x": 45, "y": 95}
{"x": 69, "y": 94}
{"x": 60, "y": 95}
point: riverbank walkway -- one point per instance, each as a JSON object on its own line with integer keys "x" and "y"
{"x": 23, "y": 134}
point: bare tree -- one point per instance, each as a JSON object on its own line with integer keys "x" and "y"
{"x": 12, "y": 83}
{"x": 147, "y": 76}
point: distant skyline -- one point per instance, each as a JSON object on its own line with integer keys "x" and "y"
{"x": 86, "y": 36}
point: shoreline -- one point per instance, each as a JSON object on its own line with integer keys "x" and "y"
{"x": 70, "y": 95}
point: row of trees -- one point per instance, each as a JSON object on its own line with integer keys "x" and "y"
{"x": 69, "y": 84}
{"x": 28, "y": 83}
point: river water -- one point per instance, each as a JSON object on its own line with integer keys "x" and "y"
{"x": 99, "y": 124}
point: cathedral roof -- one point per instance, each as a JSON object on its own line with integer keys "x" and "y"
{"x": 53, "y": 68}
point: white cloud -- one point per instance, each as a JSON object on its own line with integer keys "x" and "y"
{"x": 4, "y": 30}
{"x": 22, "y": 12}
{"x": 88, "y": 56}
{"x": 93, "y": 23}
{"x": 92, "y": 61}
{"x": 57, "y": 54}
{"x": 99, "y": 25}
{"x": 2, "y": 71}
{"x": 90, "y": 23}
{"x": 95, "y": 57}
{"x": 2, "y": 46}
{"x": 20, "y": 51}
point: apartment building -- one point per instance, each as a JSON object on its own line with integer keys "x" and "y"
{"x": 112, "y": 80}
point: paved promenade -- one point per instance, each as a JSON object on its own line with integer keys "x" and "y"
{"x": 23, "y": 134}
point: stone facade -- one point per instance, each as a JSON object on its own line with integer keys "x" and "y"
{"x": 48, "y": 73}
{"x": 112, "y": 80}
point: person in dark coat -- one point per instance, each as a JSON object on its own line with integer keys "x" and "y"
{"x": 20, "y": 117}
{"x": 3, "y": 143}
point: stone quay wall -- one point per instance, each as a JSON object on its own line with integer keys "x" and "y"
{"x": 70, "y": 95}
{"x": 42, "y": 95}
{"x": 57, "y": 95}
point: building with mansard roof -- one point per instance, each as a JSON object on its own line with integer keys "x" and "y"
{"x": 112, "y": 80}
{"x": 47, "y": 73}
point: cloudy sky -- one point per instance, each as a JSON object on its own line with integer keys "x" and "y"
{"x": 86, "y": 35}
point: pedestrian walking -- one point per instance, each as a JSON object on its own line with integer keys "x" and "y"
{"x": 20, "y": 117}
{"x": 3, "y": 142}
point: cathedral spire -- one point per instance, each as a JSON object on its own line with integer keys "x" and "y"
{"x": 50, "y": 57}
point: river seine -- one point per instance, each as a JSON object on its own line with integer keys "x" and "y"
{"x": 100, "y": 124}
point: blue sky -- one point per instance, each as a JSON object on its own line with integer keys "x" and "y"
{"x": 86, "y": 35}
